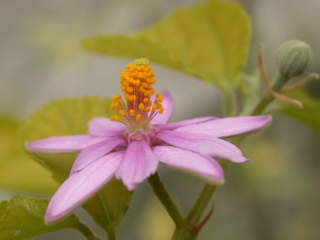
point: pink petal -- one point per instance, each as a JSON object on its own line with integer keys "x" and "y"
{"x": 173, "y": 125}
{"x": 191, "y": 162}
{"x": 226, "y": 127}
{"x": 167, "y": 104}
{"x": 95, "y": 152}
{"x": 62, "y": 144}
{"x": 139, "y": 163}
{"x": 104, "y": 127}
{"x": 203, "y": 144}
{"x": 80, "y": 186}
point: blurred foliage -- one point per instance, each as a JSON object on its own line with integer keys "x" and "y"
{"x": 309, "y": 114}
{"x": 70, "y": 117}
{"x": 156, "y": 217}
{"x": 18, "y": 172}
{"x": 209, "y": 41}
{"x": 61, "y": 44}
{"x": 22, "y": 218}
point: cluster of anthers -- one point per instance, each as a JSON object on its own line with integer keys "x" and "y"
{"x": 139, "y": 103}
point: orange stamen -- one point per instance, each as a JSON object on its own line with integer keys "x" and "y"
{"x": 136, "y": 84}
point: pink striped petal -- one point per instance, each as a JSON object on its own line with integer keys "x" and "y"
{"x": 191, "y": 162}
{"x": 226, "y": 127}
{"x": 173, "y": 125}
{"x": 62, "y": 144}
{"x": 104, "y": 127}
{"x": 94, "y": 152}
{"x": 80, "y": 186}
{"x": 139, "y": 163}
{"x": 167, "y": 104}
{"x": 203, "y": 144}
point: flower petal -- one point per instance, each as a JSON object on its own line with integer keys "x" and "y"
{"x": 191, "y": 162}
{"x": 81, "y": 186}
{"x": 62, "y": 144}
{"x": 95, "y": 152}
{"x": 139, "y": 162}
{"x": 173, "y": 125}
{"x": 104, "y": 127}
{"x": 203, "y": 144}
{"x": 226, "y": 127}
{"x": 167, "y": 104}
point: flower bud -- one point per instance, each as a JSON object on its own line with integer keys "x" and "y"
{"x": 294, "y": 58}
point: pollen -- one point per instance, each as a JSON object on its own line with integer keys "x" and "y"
{"x": 139, "y": 102}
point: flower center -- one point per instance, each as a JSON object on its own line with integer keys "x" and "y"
{"x": 139, "y": 103}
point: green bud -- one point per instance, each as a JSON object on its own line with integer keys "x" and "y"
{"x": 294, "y": 58}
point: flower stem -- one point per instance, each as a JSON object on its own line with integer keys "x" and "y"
{"x": 86, "y": 232}
{"x": 201, "y": 204}
{"x": 166, "y": 200}
{"x": 208, "y": 190}
{"x": 268, "y": 98}
{"x": 110, "y": 231}
{"x": 184, "y": 234}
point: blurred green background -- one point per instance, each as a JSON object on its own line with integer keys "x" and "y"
{"x": 274, "y": 196}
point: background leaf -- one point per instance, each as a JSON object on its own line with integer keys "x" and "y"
{"x": 18, "y": 172}
{"x": 309, "y": 114}
{"x": 209, "y": 41}
{"x": 22, "y": 218}
{"x": 71, "y": 117}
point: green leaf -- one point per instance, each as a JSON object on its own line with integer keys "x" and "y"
{"x": 209, "y": 41}
{"x": 71, "y": 117}
{"x": 309, "y": 114}
{"x": 18, "y": 172}
{"x": 22, "y": 218}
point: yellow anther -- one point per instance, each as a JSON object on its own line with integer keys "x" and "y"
{"x": 114, "y": 106}
{"x": 151, "y": 74}
{"x": 140, "y": 75}
{"x": 138, "y": 117}
{"x": 130, "y": 66}
{"x": 136, "y": 84}
{"x": 129, "y": 89}
{"x": 131, "y": 112}
{"x": 151, "y": 80}
{"x": 141, "y": 106}
{"x": 116, "y": 98}
{"x": 159, "y": 97}
{"x": 142, "y": 89}
{"x": 122, "y": 112}
{"x": 115, "y": 118}
{"x": 145, "y": 85}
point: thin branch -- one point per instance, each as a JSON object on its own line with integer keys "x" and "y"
{"x": 165, "y": 199}
{"x": 262, "y": 71}
{"x": 300, "y": 84}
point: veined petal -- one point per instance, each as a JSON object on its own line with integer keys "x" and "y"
{"x": 203, "y": 144}
{"x": 139, "y": 162}
{"x": 173, "y": 125}
{"x": 94, "y": 152}
{"x": 226, "y": 127}
{"x": 167, "y": 104}
{"x": 62, "y": 144}
{"x": 191, "y": 162}
{"x": 104, "y": 127}
{"x": 81, "y": 186}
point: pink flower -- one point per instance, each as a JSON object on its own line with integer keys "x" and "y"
{"x": 132, "y": 144}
